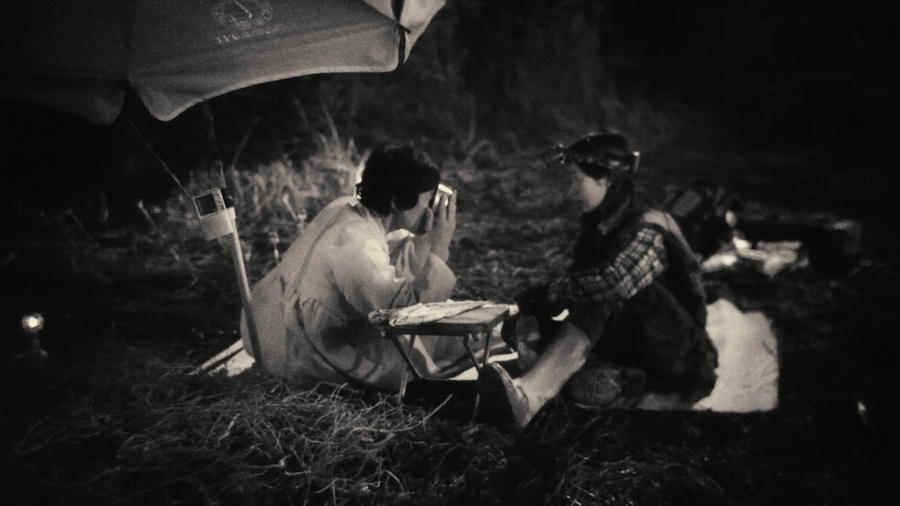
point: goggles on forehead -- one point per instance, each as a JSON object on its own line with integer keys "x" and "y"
{"x": 560, "y": 155}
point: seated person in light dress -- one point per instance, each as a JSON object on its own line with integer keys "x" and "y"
{"x": 357, "y": 255}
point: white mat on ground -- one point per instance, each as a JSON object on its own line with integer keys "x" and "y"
{"x": 747, "y": 373}
{"x": 748, "y": 360}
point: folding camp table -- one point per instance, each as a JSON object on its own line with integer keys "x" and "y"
{"x": 468, "y": 326}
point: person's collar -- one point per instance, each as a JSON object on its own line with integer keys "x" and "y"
{"x": 382, "y": 221}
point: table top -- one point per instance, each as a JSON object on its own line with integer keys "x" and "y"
{"x": 480, "y": 319}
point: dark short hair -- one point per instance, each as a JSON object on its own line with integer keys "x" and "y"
{"x": 602, "y": 155}
{"x": 396, "y": 174}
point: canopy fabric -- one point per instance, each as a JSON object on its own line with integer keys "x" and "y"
{"x": 79, "y": 56}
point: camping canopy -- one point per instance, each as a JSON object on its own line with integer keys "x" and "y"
{"x": 78, "y": 56}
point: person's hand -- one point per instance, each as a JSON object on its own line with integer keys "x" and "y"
{"x": 533, "y": 300}
{"x": 443, "y": 225}
{"x": 423, "y": 243}
{"x": 537, "y": 301}
{"x": 438, "y": 229}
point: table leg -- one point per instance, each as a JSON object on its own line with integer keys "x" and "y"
{"x": 487, "y": 348}
{"x": 475, "y": 406}
{"x": 406, "y": 353}
{"x": 472, "y": 357}
{"x": 404, "y": 377}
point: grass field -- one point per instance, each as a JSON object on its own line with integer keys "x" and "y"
{"x": 113, "y": 417}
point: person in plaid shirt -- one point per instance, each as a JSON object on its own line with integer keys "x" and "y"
{"x": 635, "y": 267}
{"x": 635, "y": 309}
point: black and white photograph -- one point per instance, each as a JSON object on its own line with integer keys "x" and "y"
{"x": 448, "y": 252}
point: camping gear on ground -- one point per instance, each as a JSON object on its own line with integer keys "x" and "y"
{"x": 705, "y": 214}
{"x": 769, "y": 258}
{"x": 775, "y": 245}
{"x": 726, "y": 233}
{"x": 833, "y": 243}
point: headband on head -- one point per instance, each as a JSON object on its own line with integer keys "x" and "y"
{"x": 560, "y": 155}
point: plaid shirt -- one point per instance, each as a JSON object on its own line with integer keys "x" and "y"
{"x": 634, "y": 268}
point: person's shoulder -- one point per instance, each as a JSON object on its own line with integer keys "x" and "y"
{"x": 660, "y": 221}
{"x": 647, "y": 225}
{"x": 340, "y": 204}
{"x": 331, "y": 212}
{"x": 648, "y": 220}
{"x": 655, "y": 217}
{"x": 357, "y": 225}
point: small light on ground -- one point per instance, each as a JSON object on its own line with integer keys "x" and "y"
{"x": 863, "y": 412}
{"x": 32, "y": 322}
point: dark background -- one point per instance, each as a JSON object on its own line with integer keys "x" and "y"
{"x": 787, "y": 95}
{"x": 784, "y": 103}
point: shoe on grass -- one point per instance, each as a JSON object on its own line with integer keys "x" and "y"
{"x": 501, "y": 401}
{"x": 603, "y": 385}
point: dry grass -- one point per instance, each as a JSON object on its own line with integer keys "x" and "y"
{"x": 114, "y": 418}
{"x": 145, "y": 433}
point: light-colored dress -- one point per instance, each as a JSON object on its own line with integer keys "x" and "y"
{"x": 312, "y": 310}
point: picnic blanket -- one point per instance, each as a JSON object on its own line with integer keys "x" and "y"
{"x": 748, "y": 360}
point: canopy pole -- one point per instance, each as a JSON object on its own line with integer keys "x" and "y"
{"x": 237, "y": 254}
{"x": 402, "y": 31}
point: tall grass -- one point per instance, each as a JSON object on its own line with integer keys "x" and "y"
{"x": 273, "y": 199}
{"x": 283, "y": 192}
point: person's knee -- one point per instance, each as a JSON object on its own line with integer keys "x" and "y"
{"x": 701, "y": 380}
{"x": 706, "y": 377}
